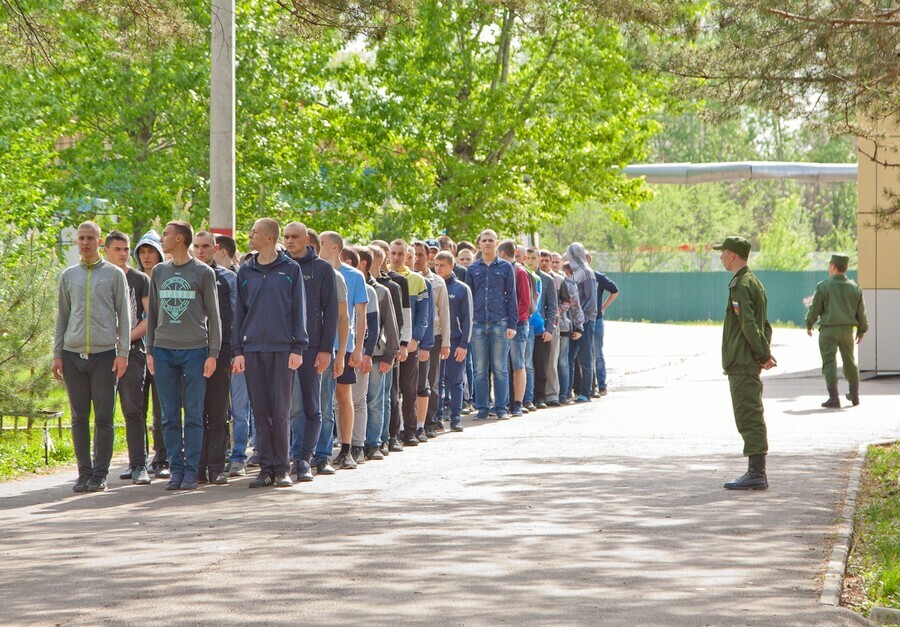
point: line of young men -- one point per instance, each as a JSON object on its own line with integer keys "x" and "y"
{"x": 269, "y": 333}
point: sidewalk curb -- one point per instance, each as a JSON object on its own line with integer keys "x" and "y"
{"x": 837, "y": 564}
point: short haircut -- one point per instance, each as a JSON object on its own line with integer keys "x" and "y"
{"x": 227, "y": 243}
{"x": 383, "y": 245}
{"x": 488, "y": 232}
{"x": 464, "y": 245}
{"x": 566, "y": 266}
{"x": 313, "y": 238}
{"x": 89, "y": 224}
{"x": 348, "y": 255}
{"x": 116, "y": 236}
{"x": 840, "y": 266}
{"x": 378, "y": 252}
{"x": 334, "y": 237}
{"x": 420, "y": 244}
{"x": 446, "y": 243}
{"x": 401, "y": 242}
{"x": 199, "y": 234}
{"x": 447, "y": 256}
{"x": 184, "y": 229}
{"x": 545, "y": 253}
{"x": 532, "y": 249}
{"x": 365, "y": 254}
{"x": 507, "y": 247}
{"x": 270, "y": 227}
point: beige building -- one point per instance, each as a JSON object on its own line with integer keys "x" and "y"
{"x": 879, "y": 252}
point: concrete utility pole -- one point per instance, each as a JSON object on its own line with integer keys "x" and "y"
{"x": 221, "y": 119}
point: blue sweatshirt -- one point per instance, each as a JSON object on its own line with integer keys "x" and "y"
{"x": 321, "y": 300}
{"x": 460, "y": 297}
{"x": 271, "y": 308}
{"x": 493, "y": 292}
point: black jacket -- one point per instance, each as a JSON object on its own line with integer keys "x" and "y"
{"x": 321, "y": 300}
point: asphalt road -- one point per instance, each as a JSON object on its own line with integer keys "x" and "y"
{"x": 610, "y": 513}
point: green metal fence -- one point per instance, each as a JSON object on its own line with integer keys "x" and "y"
{"x": 688, "y": 296}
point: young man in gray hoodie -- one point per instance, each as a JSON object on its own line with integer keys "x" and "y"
{"x": 90, "y": 352}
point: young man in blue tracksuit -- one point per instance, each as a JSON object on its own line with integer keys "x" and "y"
{"x": 460, "y": 298}
{"x": 321, "y": 328}
{"x": 269, "y": 342}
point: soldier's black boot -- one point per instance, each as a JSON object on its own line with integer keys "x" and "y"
{"x": 754, "y": 478}
{"x": 834, "y": 400}
{"x": 853, "y": 395}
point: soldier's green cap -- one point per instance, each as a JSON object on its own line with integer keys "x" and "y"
{"x": 840, "y": 259}
{"x": 736, "y": 245}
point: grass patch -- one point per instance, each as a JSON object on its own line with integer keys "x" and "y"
{"x": 22, "y": 451}
{"x": 875, "y": 557}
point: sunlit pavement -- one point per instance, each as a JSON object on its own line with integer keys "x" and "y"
{"x": 608, "y": 513}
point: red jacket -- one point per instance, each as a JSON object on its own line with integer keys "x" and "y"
{"x": 523, "y": 293}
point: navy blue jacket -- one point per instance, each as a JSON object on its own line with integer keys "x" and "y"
{"x": 460, "y": 297}
{"x": 271, "y": 308}
{"x": 604, "y": 283}
{"x": 226, "y": 284}
{"x": 427, "y": 341}
{"x": 493, "y": 292}
{"x": 321, "y": 300}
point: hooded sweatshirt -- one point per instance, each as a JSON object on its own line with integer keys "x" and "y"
{"x": 150, "y": 238}
{"x": 584, "y": 279}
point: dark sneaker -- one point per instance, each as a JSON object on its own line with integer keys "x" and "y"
{"x": 431, "y": 432}
{"x": 174, "y": 482}
{"x": 420, "y": 435}
{"x": 540, "y": 405}
{"x": 219, "y": 479}
{"x": 358, "y": 453}
{"x": 163, "y": 472}
{"x": 82, "y": 483}
{"x": 344, "y": 461}
{"x": 127, "y": 474}
{"x": 373, "y": 453}
{"x": 323, "y": 467}
{"x": 295, "y": 466}
{"x": 456, "y": 426}
{"x": 189, "y": 482}
{"x": 283, "y": 480}
{"x": 503, "y": 416}
{"x": 516, "y": 410}
{"x": 481, "y": 416}
{"x": 253, "y": 462}
{"x": 202, "y": 477}
{"x": 238, "y": 469}
{"x": 603, "y": 392}
{"x": 553, "y": 403}
{"x": 439, "y": 427}
{"x": 410, "y": 440}
{"x": 140, "y": 476}
{"x": 384, "y": 449}
{"x": 581, "y": 398}
{"x": 468, "y": 409}
{"x": 263, "y": 480}
{"x": 304, "y": 472}
{"x": 531, "y": 407}
{"x": 96, "y": 484}
{"x": 394, "y": 446}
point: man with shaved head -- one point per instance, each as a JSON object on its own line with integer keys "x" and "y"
{"x": 269, "y": 341}
{"x": 321, "y": 327}
{"x": 90, "y": 352}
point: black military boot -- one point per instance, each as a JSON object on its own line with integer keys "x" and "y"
{"x": 853, "y": 395}
{"x": 834, "y": 400}
{"x": 754, "y": 478}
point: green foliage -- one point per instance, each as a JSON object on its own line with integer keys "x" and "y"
{"x": 876, "y": 548}
{"x": 28, "y": 278}
{"x": 786, "y": 243}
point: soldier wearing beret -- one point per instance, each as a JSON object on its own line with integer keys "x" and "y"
{"x": 745, "y": 352}
{"x": 838, "y": 306}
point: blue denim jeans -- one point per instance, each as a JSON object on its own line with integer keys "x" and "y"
{"x": 326, "y": 399}
{"x": 179, "y": 377}
{"x": 470, "y": 378}
{"x": 518, "y": 345}
{"x": 454, "y": 382}
{"x": 386, "y": 422}
{"x": 306, "y": 415}
{"x": 375, "y": 405}
{"x": 529, "y": 366}
{"x": 490, "y": 351}
{"x": 240, "y": 418}
{"x": 599, "y": 361}
{"x": 562, "y": 367}
{"x": 581, "y": 352}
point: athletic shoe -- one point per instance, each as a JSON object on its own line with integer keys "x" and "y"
{"x": 127, "y": 474}
{"x": 304, "y": 472}
{"x": 420, "y": 435}
{"x": 163, "y": 472}
{"x": 581, "y": 398}
{"x": 238, "y": 469}
{"x": 253, "y": 462}
{"x": 96, "y": 484}
{"x": 140, "y": 476}
{"x": 531, "y": 407}
{"x": 219, "y": 479}
{"x": 189, "y": 482}
{"x": 373, "y": 453}
{"x": 358, "y": 454}
{"x": 175, "y": 482}
{"x": 456, "y": 426}
{"x": 345, "y": 461}
{"x": 283, "y": 480}
{"x": 82, "y": 483}
{"x": 323, "y": 467}
{"x": 263, "y": 480}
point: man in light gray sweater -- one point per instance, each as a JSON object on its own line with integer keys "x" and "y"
{"x": 183, "y": 341}
{"x": 90, "y": 352}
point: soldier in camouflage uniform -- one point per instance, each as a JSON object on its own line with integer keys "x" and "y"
{"x": 838, "y": 306}
{"x": 745, "y": 352}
